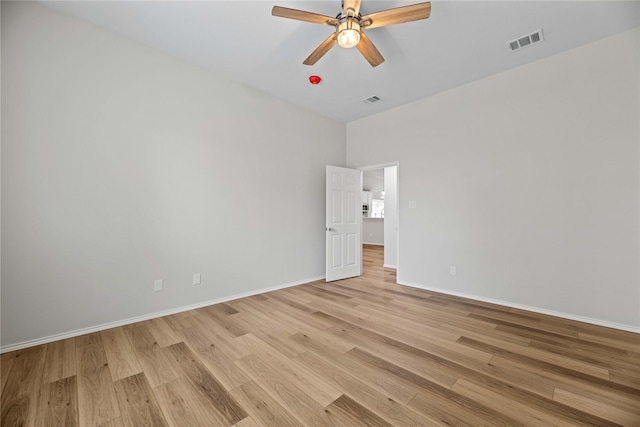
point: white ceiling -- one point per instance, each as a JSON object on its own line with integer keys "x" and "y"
{"x": 373, "y": 180}
{"x": 462, "y": 41}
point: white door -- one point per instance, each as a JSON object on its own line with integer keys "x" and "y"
{"x": 344, "y": 223}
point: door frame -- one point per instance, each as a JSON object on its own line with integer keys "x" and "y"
{"x": 382, "y": 166}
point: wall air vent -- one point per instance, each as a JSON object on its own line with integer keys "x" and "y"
{"x": 371, "y": 100}
{"x": 525, "y": 41}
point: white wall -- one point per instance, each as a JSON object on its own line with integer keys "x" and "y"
{"x": 527, "y": 181}
{"x": 373, "y": 231}
{"x": 121, "y": 165}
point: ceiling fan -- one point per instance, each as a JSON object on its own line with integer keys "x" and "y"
{"x": 350, "y": 24}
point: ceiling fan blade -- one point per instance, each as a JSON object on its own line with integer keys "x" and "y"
{"x": 321, "y": 50}
{"x": 351, "y": 4}
{"x": 301, "y": 15}
{"x": 369, "y": 51}
{"x": 398, "y": 15}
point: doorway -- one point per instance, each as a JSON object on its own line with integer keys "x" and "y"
{"x": 380, "y": 210}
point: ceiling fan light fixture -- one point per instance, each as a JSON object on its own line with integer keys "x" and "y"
{"x": 348, "y": 33}
{"x": 349, "y": 25}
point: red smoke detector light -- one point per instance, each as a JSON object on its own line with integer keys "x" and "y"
{"x": 314, "y": 80}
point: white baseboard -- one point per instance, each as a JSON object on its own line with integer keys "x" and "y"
{"x": 390, "y": 266}
{"x": 598, "y": 322}
{"x": 102, "y": 327}
{"x": 373, "y": 244}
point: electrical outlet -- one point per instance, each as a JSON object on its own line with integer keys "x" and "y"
{"x": 157, "y": 285}
{"x": 453, "y": 270}
{"x": 412, "y": 204}
{"x": 196, "y": 279}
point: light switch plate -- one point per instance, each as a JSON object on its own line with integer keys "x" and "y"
{"x": 196, "y": 279}
{"x": 157, "y": 285}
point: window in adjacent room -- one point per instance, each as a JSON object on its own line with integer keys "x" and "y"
{"x": 377, "y": 209}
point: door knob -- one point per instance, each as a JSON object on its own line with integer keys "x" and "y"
{"x": 330, "y": 229}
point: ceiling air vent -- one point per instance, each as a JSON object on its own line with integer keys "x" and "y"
{"x": 525, "y": 41}
{"x": 371, "y": 100}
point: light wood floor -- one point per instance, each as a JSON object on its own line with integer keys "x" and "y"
{"x": 362, "y": 351}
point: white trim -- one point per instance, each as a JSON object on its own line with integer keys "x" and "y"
{"x": 619, "y": 326}
{"x": 373, "y": 244}
{"x": 104, "y": 326}
{"x": 379, "y": 166}
{"x": 97, "y": 328}
{"x": 390, "y": 266}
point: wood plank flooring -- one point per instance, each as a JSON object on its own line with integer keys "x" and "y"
{"x": 362, "y": 351}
